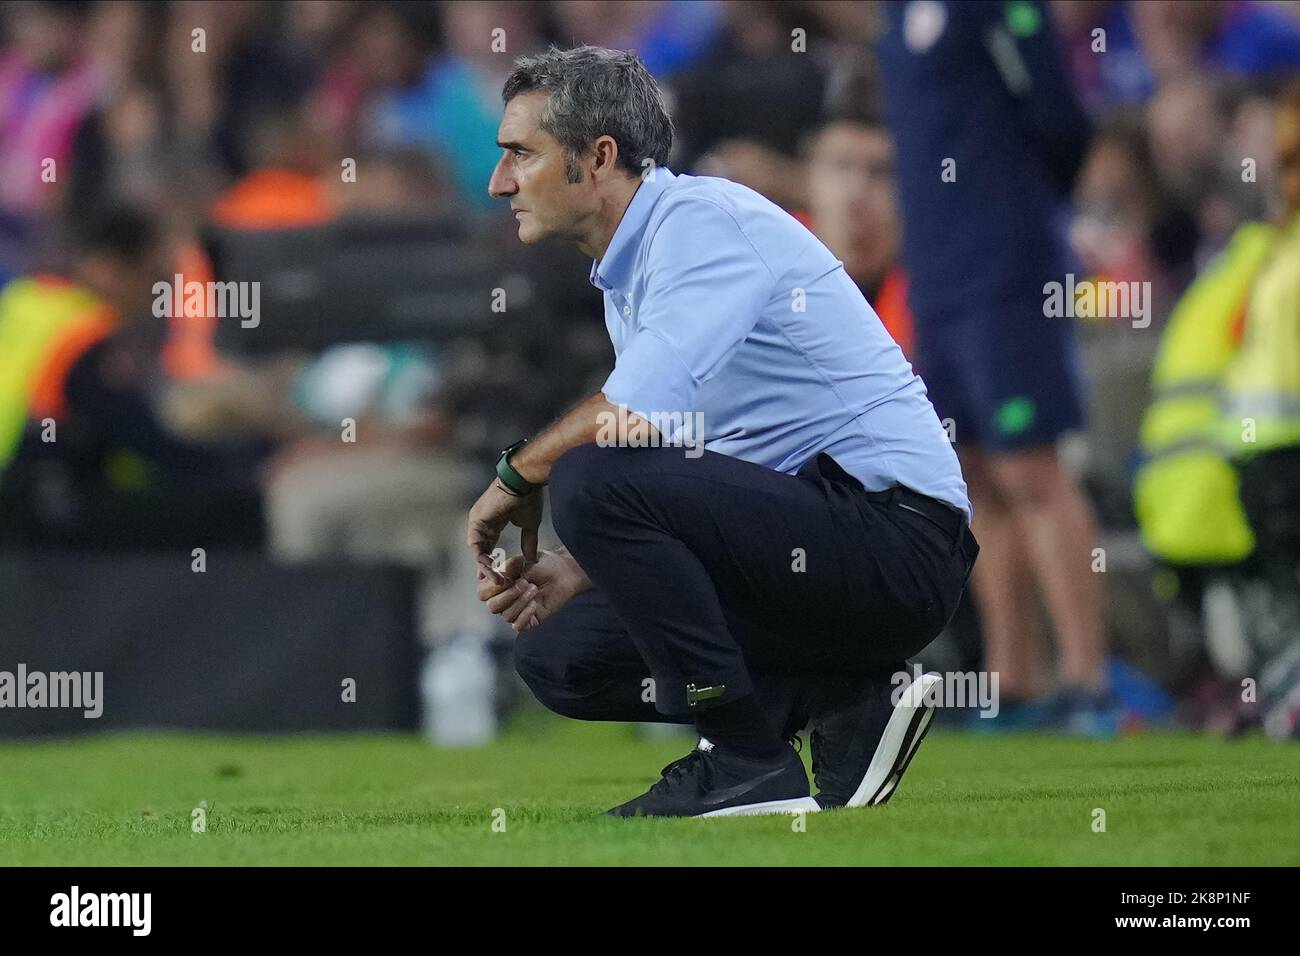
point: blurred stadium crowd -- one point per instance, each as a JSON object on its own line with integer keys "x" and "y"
{"x": 338, "y": 153}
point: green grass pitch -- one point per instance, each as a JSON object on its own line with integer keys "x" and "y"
{"x": 391, "y": 800}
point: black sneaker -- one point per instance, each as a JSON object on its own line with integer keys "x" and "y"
{"x": 859, "y": 753}
{"x": 709, "y": 782}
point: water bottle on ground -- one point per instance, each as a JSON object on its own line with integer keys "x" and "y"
{"x": 456, "y": 687}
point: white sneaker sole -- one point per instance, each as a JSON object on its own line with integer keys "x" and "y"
{"x": 907, "y": 727}
{"x": 796, "y": 805}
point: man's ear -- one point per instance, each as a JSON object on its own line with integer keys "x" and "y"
{"x": 605, "y": 155}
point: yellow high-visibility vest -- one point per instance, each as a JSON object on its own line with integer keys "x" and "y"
{"x": 1261, "y": 393}
{"x": 1186, "y": 491}
{"x": 42, "y": 320}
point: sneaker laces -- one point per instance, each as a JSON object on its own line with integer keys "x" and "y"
{"x": 680, "y": 768}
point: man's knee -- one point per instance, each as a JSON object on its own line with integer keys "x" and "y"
{"x": 533, "y": 663}
{"x": 545, "y": 673}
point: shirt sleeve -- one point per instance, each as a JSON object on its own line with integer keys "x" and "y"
{"x": 706, "y": 286}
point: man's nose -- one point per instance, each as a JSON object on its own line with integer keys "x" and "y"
{"x": 500, "y": 185}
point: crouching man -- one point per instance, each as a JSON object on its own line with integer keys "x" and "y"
{"x": 778, "y": 579}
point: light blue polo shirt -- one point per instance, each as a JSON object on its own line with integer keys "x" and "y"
{"x": 719, "y": 302}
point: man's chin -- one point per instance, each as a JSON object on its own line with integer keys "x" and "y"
{"x": 530, "y": 230}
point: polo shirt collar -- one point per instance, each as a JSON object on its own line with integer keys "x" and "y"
{"x": 614, "y": 269}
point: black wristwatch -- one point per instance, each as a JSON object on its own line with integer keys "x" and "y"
{"x": 515, "y": 483}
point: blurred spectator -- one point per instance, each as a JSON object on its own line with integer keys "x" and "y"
{"x": 258, "y": 69}
{"x": 404, "y": 183}
{"x": 989, "y": 141}
{"x": 324, "y": 35}
{"x": 741, "y": 111}
{"x": 853, "y": 209}
{"x": 1121, "y": 53}
{"x": 1262, "y": 428}
{"x": 1108, "y": 68}
{"x": 47, "y": 87}
{"x": 843, "y": 41}
{"x": 1238, "y": 37}
{"x": 1188, "y": 122}
{"x": 1212, "y": 159}
{"x": 84, "y": 459}
{"x": 395, "y": 491}
{"x": 282, "y": 188}
{"x": 120, "y": 149}
{"x": 385, "y": 53}
{"x": 1185, "y": 492}
{"x": 668, "y": 35}
{"x": 453, "y": 106}
{"x": 1127, "y": 227}
{"x": 1225, "y": 375}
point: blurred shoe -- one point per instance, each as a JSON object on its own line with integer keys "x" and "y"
{"x": 1014, "y": 717}
{"x": 1279, "y": 695}
{"x": 1083, "y": 713}
{"x": 1283, "y": 721}
{"x": 860, "y": 752}
{"x": 1213, "y": 704}
{"x": 1136, "y": 695}
{"x": 712, "y": 782}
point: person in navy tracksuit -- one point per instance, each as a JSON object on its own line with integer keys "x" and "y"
{"x": 989, "y": 138}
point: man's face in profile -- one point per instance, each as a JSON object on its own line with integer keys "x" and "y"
{"x": 531, "y": 175}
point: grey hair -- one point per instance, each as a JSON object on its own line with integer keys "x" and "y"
{"x": 592, "y": 92}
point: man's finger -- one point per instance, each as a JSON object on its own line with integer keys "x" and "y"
{"x": 508, "y": 596}
{"x": 523, "y": 599}
{"x": 490, "y": 584}
{"x": 481, "y": 542}
{"x": 528, "y": 544}
{"x": 482, "y": 533}
{"x": 537, "y": 611}
{"x": 527, "y": 619}
{"x": 492, "y": 581}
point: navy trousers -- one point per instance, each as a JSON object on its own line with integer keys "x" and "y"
{"x": 712, "y": 572}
